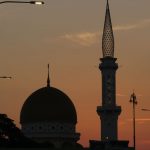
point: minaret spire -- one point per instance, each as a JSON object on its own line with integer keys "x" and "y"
{"x": 48, "y": 79}
{"x": 108, "y": 37}
{"x": 107, "y": 3}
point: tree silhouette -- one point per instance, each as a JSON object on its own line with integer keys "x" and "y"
{"x": 11, "y": 135}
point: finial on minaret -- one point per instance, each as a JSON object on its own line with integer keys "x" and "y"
{"x": 108, "y": 37}
{"x": 48, "y": 79}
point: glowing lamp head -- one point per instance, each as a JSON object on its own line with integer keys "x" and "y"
{"x": 37, "y": 2}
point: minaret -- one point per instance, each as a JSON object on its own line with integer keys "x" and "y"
{"x": 109, "y": 111}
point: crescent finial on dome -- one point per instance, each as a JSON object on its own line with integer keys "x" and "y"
{"x": 48, "y": 78}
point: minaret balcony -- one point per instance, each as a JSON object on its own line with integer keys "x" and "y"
{"x": 108, "y": 63}
{"x": 108, "y": 110}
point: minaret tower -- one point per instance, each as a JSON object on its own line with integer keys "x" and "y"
{"x": 109, "y": 111}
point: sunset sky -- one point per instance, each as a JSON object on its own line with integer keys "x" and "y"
{"x": 67, "y": 34}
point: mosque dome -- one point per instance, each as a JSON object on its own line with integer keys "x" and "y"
{"x": 49, "y": 116}
{"x": 48, "y": 104}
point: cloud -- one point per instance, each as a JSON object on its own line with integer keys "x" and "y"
{"x": 122, "y": 123}
{"x": 90, "y": 38}
{"x": 123, "y": 95}
{"x": 145, "y": 142}
{"x": 140, "y": 120}
{"x": 84, "y": 38}
{"x": 139, "y": 24}
{"x": 120, "y": 95}
{"x": 125, "y": 27}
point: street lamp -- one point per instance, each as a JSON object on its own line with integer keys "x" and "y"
{"x": 134, "y": 102}
{"x": 5, "y": 77}
{"x": 17, "y": 1}
{"x": 29, "y": 2}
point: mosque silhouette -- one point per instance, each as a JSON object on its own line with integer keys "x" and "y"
{"x": 49, "y": 116}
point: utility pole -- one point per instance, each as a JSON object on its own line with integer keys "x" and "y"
{"x": 134, "y": 102}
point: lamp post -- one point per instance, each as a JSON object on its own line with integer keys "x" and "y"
{"x": 29, "y": 2}
{"x": 134, "y": 102}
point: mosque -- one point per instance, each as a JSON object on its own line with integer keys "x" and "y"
{"x": 49, "y": 115}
